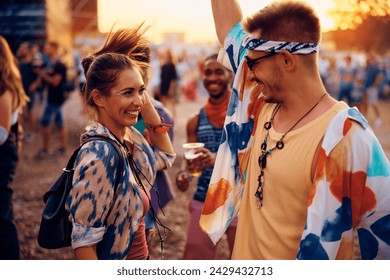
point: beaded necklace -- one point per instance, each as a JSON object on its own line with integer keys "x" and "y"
{"x": 262, "y": 161}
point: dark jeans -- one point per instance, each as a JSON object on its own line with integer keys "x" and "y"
{"x": 9, "y": 241}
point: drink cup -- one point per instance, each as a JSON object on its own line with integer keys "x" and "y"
{"x": 190, "y": 154}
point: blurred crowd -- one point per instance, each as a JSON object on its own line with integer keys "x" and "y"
{"x": 174, "y": 76}
{"x": 359, "y": 79}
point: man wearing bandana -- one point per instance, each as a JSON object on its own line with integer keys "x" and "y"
{"x": 304, "y": 172}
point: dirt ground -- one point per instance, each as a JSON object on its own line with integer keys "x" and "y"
{"x": 34, "y": 177}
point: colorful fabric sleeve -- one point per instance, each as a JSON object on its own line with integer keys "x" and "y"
{"x": 227, "y": 182}
{"x": 349, "y": 211}
{"x": 94, "y": 178}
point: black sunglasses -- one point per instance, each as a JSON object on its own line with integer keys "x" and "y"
{"x": 251, "y": 62}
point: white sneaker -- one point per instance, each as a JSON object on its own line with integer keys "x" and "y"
{"x": 378, "y": 122}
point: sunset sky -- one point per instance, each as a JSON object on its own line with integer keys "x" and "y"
{"x": 194, "y": 17}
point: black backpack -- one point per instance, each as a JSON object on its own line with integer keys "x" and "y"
{"x": 55, "y": 228}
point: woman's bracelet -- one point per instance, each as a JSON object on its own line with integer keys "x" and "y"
{"x": 159, "y": 128}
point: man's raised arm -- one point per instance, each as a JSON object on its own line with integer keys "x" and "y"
{"x": 226, "y": 14}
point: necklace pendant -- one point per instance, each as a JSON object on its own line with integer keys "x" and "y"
{"x": 259, "y": 195}
{"x": 262, "y": 161}
{"x": 280, "y": 144}
{"x": 259, "y": 191}
{"x": 268, "y": 125}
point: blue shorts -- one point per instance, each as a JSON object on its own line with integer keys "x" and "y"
{"x": 52, "y": 111}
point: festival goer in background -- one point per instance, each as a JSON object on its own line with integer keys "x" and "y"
{"x": 386, "y": 77}
{"x": 54, "y": 77}
{"x": 153, "y": 73}
{"x": 188, "y": 78}
{"x": 115, "y": 91}
{"x": 83, "y": 52}
{"x": 40, "y": 61}
{"x": 331, "y": 82}
{"x": 358, "y": 93}
{"x": 168, "y": 81}
{"x": 206, "y": 127}
{"x": 324, "y": 67}
{"x": 347, "y": 74}
{"x": 12, "y": 100}
{"x": 372, "y": 80}
{"x": 27, "y": 70}
{"x": 305, "y": 172}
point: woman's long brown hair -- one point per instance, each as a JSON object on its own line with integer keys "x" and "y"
{"x": 10, "y": 78}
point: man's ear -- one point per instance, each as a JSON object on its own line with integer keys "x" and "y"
{"x": 97, "y": 98}
{"x": 287, "y": 60}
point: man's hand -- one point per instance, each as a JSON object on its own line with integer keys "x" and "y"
{"x": 206, "y": 159}
{"x": 183, "y": 180}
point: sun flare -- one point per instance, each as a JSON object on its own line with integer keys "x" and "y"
{"x": 195, "y": 21}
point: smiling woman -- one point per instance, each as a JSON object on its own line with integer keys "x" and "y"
{"x": 115, "y": 91}
{"x": 119, "y": 109}
{"x": 173, "y": 16}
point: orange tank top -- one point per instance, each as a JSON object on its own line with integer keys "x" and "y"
{"x": 274, "y": 231}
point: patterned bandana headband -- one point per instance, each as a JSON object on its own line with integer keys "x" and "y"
{"x": 276, "y": 46}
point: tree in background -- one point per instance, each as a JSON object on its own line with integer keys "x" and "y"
{"x": 349, "y": 14}
{"x": 362, "y": 25}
